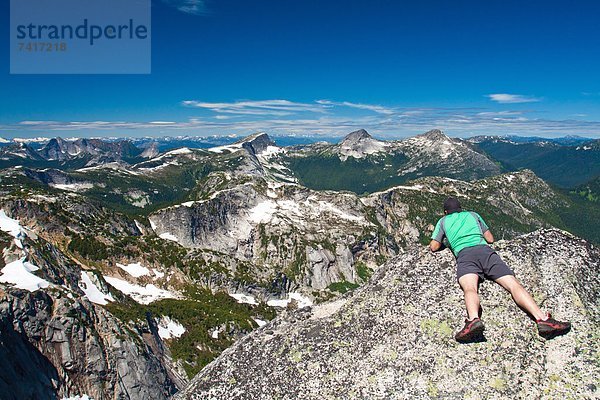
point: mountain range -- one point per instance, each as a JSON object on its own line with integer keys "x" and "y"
{"x": 126, "y": 270}
{"x": 567, "y": 162}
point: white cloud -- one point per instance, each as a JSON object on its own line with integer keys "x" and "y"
{"x": 194, "y": 7}
{"x": 505, "y": 98}
{"x": 258, "y": 107}
{"x": 371, "y": 107}
{"x": 324, "y": 117}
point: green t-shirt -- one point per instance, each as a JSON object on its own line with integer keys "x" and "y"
{"x": 462, "y": 229}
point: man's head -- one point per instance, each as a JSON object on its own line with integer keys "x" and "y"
{"x": 451, "y": 205}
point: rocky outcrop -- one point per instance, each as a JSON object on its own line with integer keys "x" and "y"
{"x": 393, "y": 338}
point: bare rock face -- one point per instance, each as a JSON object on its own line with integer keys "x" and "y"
{"x": 270, "y": 229}
{"x": 71, "y": 347}
{"x": 393, "y": 338}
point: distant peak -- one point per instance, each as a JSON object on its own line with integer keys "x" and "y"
{"x": 257, "y": 142}
{"x": 434, "y": 134}
{"x": 357, "y": 135}
{"x": 255, "y": 136}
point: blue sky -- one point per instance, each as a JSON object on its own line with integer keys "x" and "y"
{"x": 395, "y": 68}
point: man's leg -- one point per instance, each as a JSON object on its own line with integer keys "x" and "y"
{"x": 521, "y": 296}
{"x": 468, "y": 283}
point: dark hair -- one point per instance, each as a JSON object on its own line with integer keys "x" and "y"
{"x": 452, "y": 205}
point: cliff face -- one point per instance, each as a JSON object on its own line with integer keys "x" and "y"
{"x": 53, "y": 345}
{"x": 54, "y": 342}
{"x": 393, "y": 338}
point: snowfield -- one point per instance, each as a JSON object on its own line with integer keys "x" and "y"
{"x": 142, "y": 294}
{"x": 92, "y": 292}
{"x": 136, "y": 270}
{"x": 72, "y": 187}
{"x": 231, "y": 147}
{"x": 9, "y": 225}
{"x": 268, "y": 210}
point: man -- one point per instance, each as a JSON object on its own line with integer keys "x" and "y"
{"x": 468, "y": 237}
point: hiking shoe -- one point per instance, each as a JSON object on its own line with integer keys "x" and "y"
{"x": 473, "y": 329}
{"x": 551, "y": 328}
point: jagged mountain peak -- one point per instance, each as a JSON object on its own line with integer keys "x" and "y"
{"x": 253, "y": 137}
{"x": 434, "y": 134}
{"x": 356, "y": 136}
{"x": 256, "y": 143}
{"x": 359, "y": 144}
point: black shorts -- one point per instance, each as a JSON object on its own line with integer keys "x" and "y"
{"x": 483, "y": 261}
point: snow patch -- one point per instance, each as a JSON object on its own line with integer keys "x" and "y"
{"x": 136, "y": 270}
{"x": 302, "y": 300}
{"x": 265, "y": 211}
{"x": 72, "y": 187}
{"x": 92, "y": 292}
{"x": 157, "y": 273}
{"x": 183, "y": 150}
{"x": 168, "y": 328}
{"x": 138, "y": 225}
{"x": 271, "y": 151}
{"x": 168, "y": 236}
{"x": 260, "y": 322}
{"x": 78, "y": 397}
{"x": 158, "y": 167}
{"x": 231, "y": 147}
{"x": 10, "y": 226}
{"x": 142, "y": 294}
{"x": 215, "y": 333}
{"x": 243, "y": 298}
{"x": 19, "y": 273}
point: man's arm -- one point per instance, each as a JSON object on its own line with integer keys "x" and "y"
{"x": 487, "y": 235}
{"x": 437, "y": 237}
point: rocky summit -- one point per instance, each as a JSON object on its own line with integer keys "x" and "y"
{"x": 393, "y": 337}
